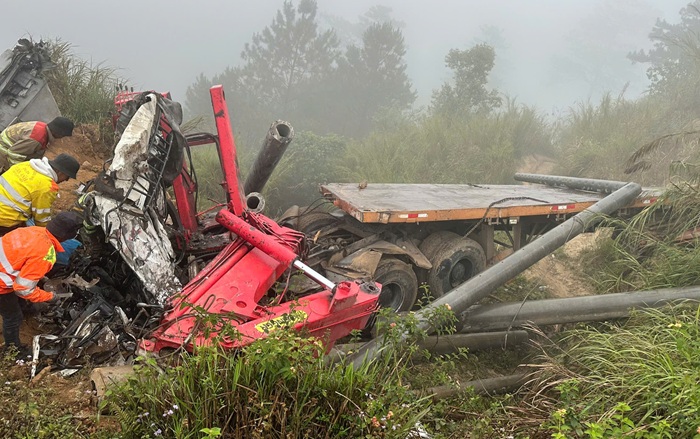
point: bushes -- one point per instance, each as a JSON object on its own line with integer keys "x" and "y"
{"x": 478, "y": 148}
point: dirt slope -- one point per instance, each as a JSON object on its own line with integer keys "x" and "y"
{"x": 90, "y": 151}
{"x": 561, "y": 271}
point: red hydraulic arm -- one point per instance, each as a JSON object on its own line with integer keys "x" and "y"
{"x": 238, "y": 283}
{"x": 227, "y": 151}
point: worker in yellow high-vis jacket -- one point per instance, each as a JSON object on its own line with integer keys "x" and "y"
{"x": 29, "y": 140}
{"x": 29, "y": 189}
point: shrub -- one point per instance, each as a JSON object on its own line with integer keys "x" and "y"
{"x": 280, "y": 386}
{"x": 83, "y": 91}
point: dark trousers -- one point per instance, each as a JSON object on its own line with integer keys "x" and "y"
{"x": 4, "y": 230}
{"x": 11, "y": 318}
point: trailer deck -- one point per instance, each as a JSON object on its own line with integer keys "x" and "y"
{"x": 413, "y": 203}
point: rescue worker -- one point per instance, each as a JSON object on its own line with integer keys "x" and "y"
{"x": 28, "y": 190}
{"x": 26, "y": 255}
{"x": 29, "y": 140}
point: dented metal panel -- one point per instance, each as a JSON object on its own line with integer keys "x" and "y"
{"x": 24, "y": 93}
{"x": 124, "y": 211}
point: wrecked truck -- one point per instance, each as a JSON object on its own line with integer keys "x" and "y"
{"x": 24, "y": 92}
{"x": 419, "y": 241}
{"x": 152, "y": 268}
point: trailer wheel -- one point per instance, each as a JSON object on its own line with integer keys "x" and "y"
{"x": 455, "y": 261}
{"x": 312, "y": 222}
{"x": 399, "y": 284}
{"x": 434, "y": 241}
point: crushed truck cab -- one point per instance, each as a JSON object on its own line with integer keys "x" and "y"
{"x": 153, "y": 268}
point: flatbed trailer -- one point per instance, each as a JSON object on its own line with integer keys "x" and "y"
{"x": 415, "y": 203}
{"x": 406, "y": 236}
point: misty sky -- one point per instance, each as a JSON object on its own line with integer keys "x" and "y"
{"x": 540, "y": 44}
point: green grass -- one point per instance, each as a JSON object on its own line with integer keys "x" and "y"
{"x": 638, "y": 379}
{"x": 84, "y": 91}
{"x": 278, "y": 387}
{"x": 481, "y": 148}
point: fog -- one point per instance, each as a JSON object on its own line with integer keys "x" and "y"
{"x": 549, "y": 53}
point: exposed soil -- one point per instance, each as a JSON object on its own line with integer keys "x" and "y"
{"x": 560, "y": 272}
{"x": 90, "y": 151}
{"x": 537, "y": 164}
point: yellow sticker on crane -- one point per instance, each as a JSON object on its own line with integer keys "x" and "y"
{"x": 284, "y": 321}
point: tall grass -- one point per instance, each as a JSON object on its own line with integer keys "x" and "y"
{"x": 637, "y": 380}
{"x": 482, "y": 148}
{"x": 279, "y": 387}
{"x": 655, "y": 249}
{"x": 83, "y": 91}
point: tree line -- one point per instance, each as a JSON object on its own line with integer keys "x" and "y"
{"x": 352, "y": 104}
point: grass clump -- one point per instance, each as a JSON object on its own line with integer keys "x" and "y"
{"x": 636, "y": 380}
{"x": 655, "y": 249}
{"x": 277, "y": 387}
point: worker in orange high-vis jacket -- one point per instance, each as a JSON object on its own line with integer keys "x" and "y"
{"x": 28, "y": 190}
{"x": 26, "y": 255}
{"x": 29, "y": 140}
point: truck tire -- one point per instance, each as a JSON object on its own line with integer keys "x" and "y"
{"x": 434, "y": 241}
{"x": 399, "y": 284}
{"x": 312, "y": 222}
{"x": 454, "y": 261}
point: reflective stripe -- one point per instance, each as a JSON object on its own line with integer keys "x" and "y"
{"x": 31, "y": 284}
{"x": 5, "y": 148}
{"x": 5, "y": 263}
{"x": 13, "y": 192}
{"x": 35, "y": 210}
{"x": 7, "y": 280}
{"x": 6, "y": 201}
{"x": 24, "y": 293}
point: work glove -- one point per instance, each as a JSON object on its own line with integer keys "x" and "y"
{"x": 57, "y": 297}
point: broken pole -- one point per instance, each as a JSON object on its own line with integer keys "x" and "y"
{"x": 278, "y": 137}
{"x": 503, "y": 316}
{"x": 479, "y": 286}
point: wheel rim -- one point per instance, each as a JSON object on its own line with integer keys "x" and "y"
{"x": 391, "y": 296}
{"x": 460, "y": 272}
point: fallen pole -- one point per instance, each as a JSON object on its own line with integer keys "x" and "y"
{"x": 581, "y": 184}
{"x": 279, "y": 136}
{"x": 497, "y": 317}
{"x": 447, "y": 344}
{"x": 479, "y": 286}
{"x": 486, "y": 386}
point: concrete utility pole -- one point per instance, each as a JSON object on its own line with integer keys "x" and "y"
{"x": 503, "y": 316}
